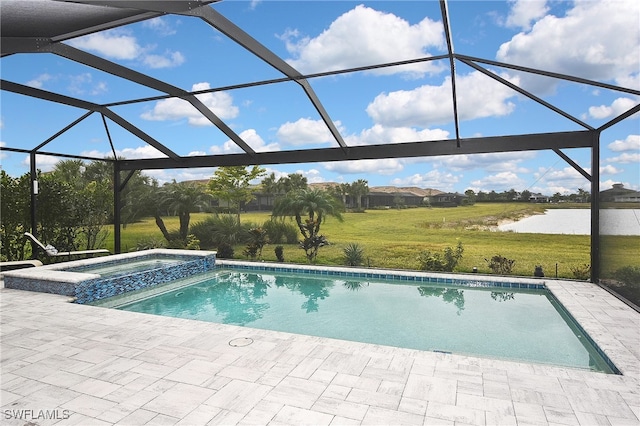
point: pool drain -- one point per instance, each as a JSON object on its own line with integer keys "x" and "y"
{"x": 242, "y": 341}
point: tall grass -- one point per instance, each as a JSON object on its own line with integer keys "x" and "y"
{"x": 394, "y": 238}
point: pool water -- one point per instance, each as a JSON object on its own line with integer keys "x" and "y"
{"x": 525, "y": 325}
{"x": 129, "y": 267}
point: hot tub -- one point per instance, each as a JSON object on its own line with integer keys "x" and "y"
{"x": 89, "y": 280}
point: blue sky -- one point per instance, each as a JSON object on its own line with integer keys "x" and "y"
{"x": 597, "y": 40}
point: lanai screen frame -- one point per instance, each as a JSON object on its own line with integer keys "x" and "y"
{"x": 31, "y": 27}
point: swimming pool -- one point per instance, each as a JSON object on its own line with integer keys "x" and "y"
{"x": 492, "y": 319}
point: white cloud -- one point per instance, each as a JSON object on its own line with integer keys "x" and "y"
{"x": 251, "y": 137}
{"x": 144, "y": 151}
{"x": 82, "y": 84}
{"x": 312, "y": 175}
{"x": 379, "y": 134}
{"x": 564, "y": 180}
{"x": 39, "y": 81}
{"x": 631, "y": 143}
{"x": 120, "y": 45}
{"x": 373, "y": 37}
{"x": 617, "y": 107}
{"x": 492, "y": 162}
{"x": 305, "y": 131}
{"x": 523, "y": 12}
{"x": 112, "y": 44}
{"x": 478, "y": 96}
{"x": 45, "y": 163}
{"x": 609, "y": 170}
{"x": 443, "y": 181}
{"x": 160, "y": 25}
{"x": 625, "y": 158}
{"x": 220, "y": 103}
{"x": 387, "y": 166}
{"x": 595, "y": 40}
{"x": 499, "y": 182}
{"x": 168, "y": 60}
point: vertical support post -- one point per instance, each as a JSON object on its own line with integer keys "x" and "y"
{"x": 33, "y": 180}
{"x": 595, "y": 207}
{"x": 117, "y": 207}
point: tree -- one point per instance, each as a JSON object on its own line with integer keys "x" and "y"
{"x": 14, "y": 211}
{"x": 525, "y": 195}
{"x": 232, "y": 184}
{"x": 270, "y": 186}
{"x": 359, "y": 189}
{"x": 88, "y": 200}
{"x": 309, "y": 207}
{"x": 292, "y": 183}
{"x": 181, "y": 199}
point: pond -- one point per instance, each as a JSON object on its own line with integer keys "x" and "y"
{"x": 578, "y": 222}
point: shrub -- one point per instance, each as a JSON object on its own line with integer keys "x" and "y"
{"x": 279, "y": 251}
{"x": 219, "y": 229}
{"x": 500, "y": 264}
{"x": 257, "y": 240}
{"x": 581, "y": 272}
{"x": 353, "y": 255}
{"x": 225, "y": 251}
{"x": 150, "y": 243}
{"x": 629, "y": 275}
{"x": 446, "y": 261}
{"x": 203, "y": 231}
{"x": 281, "y": 232}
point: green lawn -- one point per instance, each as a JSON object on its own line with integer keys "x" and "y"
{"x": 393, "y": 238}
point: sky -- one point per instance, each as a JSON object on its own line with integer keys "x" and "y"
{"x": 595, "y": 40}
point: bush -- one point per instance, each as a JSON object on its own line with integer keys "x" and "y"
{"x": 446, "y": 261}
{"x": 225, "y": 251}
{"x": 280, "y": 232}
{"x": 150, "y": 243}
{"x": 353, "y": 255}
{"x": 500, "y": 264}
{"x": 257, "y": 240}
{"x": 629, "y": 275}
{"x": 279, "y": 252}
{"x": 219, "y": 229}
{"x": 581, "y": 272}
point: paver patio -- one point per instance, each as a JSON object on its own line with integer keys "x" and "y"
{"x": 85, "y": 365}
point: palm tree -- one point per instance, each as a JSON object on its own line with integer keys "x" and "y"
{"x": 359, "y": 189}
{"x": 181, "y": 199}
{"x": 270, "y": 186}
{"x": 309, "y": 207}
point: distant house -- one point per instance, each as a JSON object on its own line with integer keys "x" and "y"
{"x": 448, "y": 199}
{"x": 387, "y": 196}
{"x": 539, "y": 198}
{"x": 619, "y": 194}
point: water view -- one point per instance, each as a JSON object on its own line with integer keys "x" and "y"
{"x": 578, "y": 222}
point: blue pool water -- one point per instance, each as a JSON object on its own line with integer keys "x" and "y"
{"x": 129, "y": 267}
{"x": 527, "y": 325}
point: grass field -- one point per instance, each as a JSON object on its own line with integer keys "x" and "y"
{"x": 394, "y": 238}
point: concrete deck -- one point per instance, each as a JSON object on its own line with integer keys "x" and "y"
{"x": 85, "y": 365}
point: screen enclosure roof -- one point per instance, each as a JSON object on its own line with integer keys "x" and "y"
{"x": 46, "y": 29}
